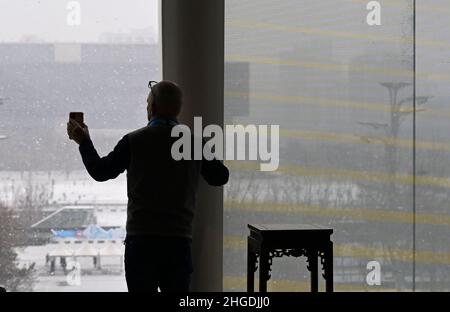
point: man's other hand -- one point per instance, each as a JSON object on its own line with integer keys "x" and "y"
{"x": 77, "y": 132}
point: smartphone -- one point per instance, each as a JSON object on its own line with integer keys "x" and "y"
{"x": 78, "y": 116}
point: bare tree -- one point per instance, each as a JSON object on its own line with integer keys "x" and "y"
{"x": 12, "y": 277}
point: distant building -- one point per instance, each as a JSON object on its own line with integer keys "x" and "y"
{"x": 44, "y": 82}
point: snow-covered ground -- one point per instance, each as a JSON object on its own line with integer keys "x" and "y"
{"x": 69, "y": 189}
{"x": 110, "y": 278}
{"x": 89, "y": 283}
{"x": 109, "y": 200}
{"x": 75, "y": 187}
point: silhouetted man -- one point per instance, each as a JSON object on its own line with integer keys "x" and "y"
{"x": 161, "y": 192}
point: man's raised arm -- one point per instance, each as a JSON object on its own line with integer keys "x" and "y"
{"x": 107, "y": 167}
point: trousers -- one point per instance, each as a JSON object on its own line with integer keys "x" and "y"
{"x": 153, "y": 262}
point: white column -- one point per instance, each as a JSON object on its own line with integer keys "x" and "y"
{"x": 193, "y": 57}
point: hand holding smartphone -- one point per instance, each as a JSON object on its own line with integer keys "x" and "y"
{"x": 79, "y": 132}
{"x": 78, "y": 117}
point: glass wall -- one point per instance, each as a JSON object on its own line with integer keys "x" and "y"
{"x": 59, "y": 229}
{"x": 341, "y": 90}
{"x": 433, "y": 148}
{"x": 339, "y": 87}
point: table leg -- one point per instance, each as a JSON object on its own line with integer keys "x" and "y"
{"x": 263, "y": 270}
{"x": 312, "y": 263}
{"x": 329, "y": 268}
{"x": 251, "y": 260}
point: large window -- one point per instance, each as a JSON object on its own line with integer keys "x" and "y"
{"x": 433, "y": 147}
{"x": 342, "y": 92}
{"x": 362, "y": 112}
{"x": 59, "y": 229}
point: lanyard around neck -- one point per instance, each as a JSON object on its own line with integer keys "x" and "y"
{"x": 162, "y": 121}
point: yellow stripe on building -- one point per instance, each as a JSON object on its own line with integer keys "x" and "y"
{"x": 400, "y": 73}
{"x": 238, "y": 283}
{"x": 363, "y": 252}
{"x": 248, "y": 24}
{"x": 366, "y": 214}
{"x": 345, "y": 138}
{"x": 344, "y": 174}
{"x": 329, "y": 102}
{"x": 420, "y": 7}
{"x": 408, "y": 74}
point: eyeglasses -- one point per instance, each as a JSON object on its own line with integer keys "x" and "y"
{"x": 151, "y": 83}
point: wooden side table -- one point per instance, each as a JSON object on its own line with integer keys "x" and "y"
{"x": 267, "y": 241}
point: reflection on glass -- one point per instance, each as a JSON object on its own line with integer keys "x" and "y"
{"x": 432, "y": 204}
{"x": 341, "y": 91}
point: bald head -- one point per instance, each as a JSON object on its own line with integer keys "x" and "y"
{"x": 164, "y": 100}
